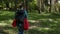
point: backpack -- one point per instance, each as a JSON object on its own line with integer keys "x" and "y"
{"x": 19, "y": 16}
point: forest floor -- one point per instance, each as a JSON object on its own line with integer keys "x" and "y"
{"x": 48, "y": 23}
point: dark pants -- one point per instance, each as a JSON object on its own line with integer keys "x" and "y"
{"x": 20, "y": 29}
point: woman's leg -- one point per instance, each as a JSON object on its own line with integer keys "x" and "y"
{"x": 20, "y": 31}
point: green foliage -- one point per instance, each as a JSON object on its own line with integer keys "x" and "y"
{"x": 48, "y": 23}
{"x": 32, "y": 6}
{"x": 11, "y": 4}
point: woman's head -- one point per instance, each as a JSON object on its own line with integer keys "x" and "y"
{"x": 19, "y": 6}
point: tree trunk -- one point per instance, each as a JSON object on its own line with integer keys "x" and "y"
{"x": 52, "y": 6}
{"x": 39, "y": 6}
{"x": 26, "y": 5}
{"x": 46, "y": 2}
{"x": 15, "y": 4}
{"x": 56, "y": 6}
{"x": 46, "y": 5}
{"x": 7, "y": 5}
{"x": 42, "y": 6}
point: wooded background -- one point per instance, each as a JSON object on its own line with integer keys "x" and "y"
{"x": 43, "y": 16}
{"x": 39, "y": 5}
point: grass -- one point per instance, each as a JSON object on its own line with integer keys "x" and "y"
{"x": 39, "y": 23}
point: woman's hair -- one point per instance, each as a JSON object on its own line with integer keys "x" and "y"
{"x": 20, "y": 5}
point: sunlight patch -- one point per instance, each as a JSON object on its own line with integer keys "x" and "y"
{"x": 43, "y": 29}
{"x": 10, "y": 20}
{"x": 58, "y": 1}
{"x": 1, "y": 21}
{"x": 32, "y": 21}
{"x": 3, "y": 24}
{"x": 50, "y": 20}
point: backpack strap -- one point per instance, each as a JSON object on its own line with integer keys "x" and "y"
{"x": 26, "y": 15}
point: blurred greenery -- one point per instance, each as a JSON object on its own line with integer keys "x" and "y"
{"x": 47, "y": 22}
{"x": 39, "y": 23}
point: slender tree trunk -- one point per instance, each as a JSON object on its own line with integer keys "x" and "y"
{"x": 39, "y": 6}
{"x": 52, "y": 6}
{"x": 26, "y": 5}
{"x": 56, "y": 6}
{"x": 7, "y": 5}
{"x": 2, "y": 5}
{"x": 46, "y": 5}
{"x": 46, "y": 2}
{"x": 42, "y": 6}
{"x": 15, "y": 4}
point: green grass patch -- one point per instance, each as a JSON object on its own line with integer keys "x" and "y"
{"x": 47, "y": 23}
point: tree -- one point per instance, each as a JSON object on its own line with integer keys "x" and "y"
{"x": 39, "y": 5}
{"x": 51, "y": 6}
{"x": 56, "y": 6}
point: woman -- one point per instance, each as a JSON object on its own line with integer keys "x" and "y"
{"x": 20, "y": 19}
